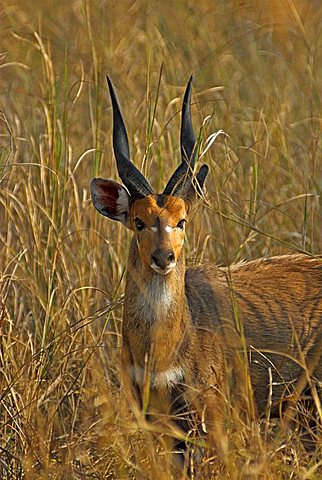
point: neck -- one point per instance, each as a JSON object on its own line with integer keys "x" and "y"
{"x": 156, "y": 309}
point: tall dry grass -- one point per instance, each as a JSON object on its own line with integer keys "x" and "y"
{"x": 257, "y": 67}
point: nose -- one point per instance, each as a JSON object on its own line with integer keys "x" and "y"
{"x": 162, "y": 258}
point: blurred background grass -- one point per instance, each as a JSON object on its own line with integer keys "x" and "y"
{"x": 257, "y": 67}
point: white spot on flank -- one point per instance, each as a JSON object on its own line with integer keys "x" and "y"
{"x": 167, "y": 378}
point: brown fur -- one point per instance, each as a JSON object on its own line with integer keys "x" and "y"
{"x": 195, "y": 326}
{"x": 274, "y": 304}
{"x": 147, "y": 210}
{"x": 203, "y": 329}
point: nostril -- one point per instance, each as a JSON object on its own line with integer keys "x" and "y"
{"x": 155, "y": 259}
{"x": 162, "y": 258}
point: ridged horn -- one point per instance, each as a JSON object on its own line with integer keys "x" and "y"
{"x": 180, "y": 180}
{"x": 132, "y": 178}
{"x": 201, "y": 177}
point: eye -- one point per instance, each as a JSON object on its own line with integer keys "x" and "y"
{"x": 181, "y": 223}
{"x": 139, "y": 224}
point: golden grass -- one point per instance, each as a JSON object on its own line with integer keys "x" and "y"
{"x": 257, "y": 67}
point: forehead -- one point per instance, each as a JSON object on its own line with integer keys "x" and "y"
{"x": 163, "y": 206}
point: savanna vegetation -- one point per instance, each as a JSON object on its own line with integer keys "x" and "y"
{"x": 257, "y": 67}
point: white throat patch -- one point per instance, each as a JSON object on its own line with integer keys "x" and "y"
{"x": 154, "y": 300}
{"x": 160, "y": 292}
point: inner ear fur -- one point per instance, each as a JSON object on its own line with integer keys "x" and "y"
{"x": 111, "y": 199}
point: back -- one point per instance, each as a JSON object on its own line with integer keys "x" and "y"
{"x": 275, "y": 304}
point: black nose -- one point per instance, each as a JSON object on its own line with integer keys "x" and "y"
{"x": 162, "y": 258}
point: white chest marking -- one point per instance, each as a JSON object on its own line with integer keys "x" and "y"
{"x": 167, "y": 378}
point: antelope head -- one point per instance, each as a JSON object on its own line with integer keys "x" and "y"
{"x": 157, "y": 220}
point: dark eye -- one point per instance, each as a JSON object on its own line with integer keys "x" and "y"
{"x": 139, "y": 224}
{"x": 181, "y": 223}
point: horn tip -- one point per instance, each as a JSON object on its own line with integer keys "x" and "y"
{"x": 109, "y": 82}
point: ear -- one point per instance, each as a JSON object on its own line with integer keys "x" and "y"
{"x": 196, "y": 188}
{"x": 111, "y": 199}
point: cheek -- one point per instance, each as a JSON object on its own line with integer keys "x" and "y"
{"x": 177, "y": 244}
{"x": 145, "y": 243}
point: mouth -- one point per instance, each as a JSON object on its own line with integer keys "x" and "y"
{"x": 163, "y": 271}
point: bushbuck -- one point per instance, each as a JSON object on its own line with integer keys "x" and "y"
{"x": 188, "y": 329}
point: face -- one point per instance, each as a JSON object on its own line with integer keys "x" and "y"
{"x": 158, "y": 221}
{"x": 159, "y": 225}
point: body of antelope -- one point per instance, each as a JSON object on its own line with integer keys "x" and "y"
{"x": 185, "y": 326}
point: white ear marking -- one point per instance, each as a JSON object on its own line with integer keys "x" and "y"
{"x": 123, "y": 200}
{"x": 110, "y": 199}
